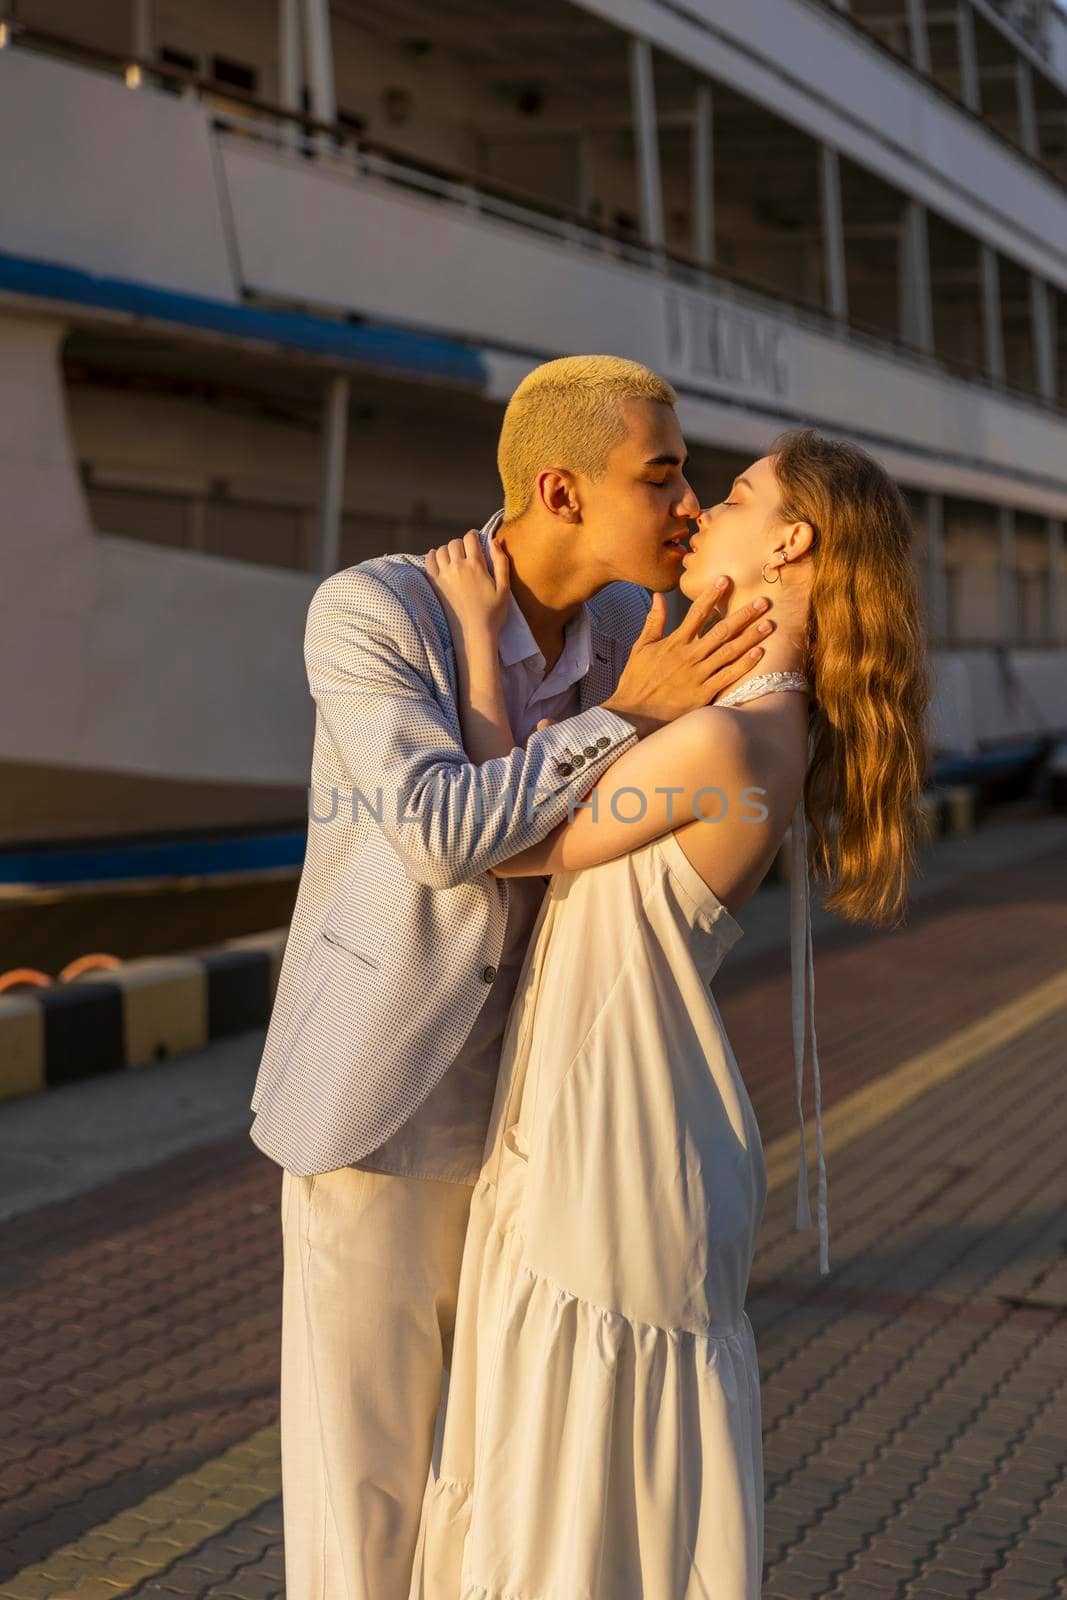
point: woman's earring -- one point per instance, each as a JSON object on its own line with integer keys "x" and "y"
{"x": 777, "y": 579}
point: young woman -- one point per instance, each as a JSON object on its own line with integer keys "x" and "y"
{"x": 602, "y": 1437}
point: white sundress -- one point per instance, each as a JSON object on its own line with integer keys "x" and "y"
{"x": 602, "y": 1437}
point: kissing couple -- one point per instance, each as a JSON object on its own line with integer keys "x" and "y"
{"x": 515, "y": 1140}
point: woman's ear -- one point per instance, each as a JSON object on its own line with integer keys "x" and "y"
{"x": 800, "y": 540}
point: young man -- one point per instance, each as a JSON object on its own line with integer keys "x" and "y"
{"x": 377, "y": 1078}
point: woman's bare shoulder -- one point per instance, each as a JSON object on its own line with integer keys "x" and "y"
{"x": 758, "y": 747}
{"x": 716, "y": 725}
{"x": 722, "y": 732}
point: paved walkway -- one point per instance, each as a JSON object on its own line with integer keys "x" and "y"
{"x": 915, "y": 1401}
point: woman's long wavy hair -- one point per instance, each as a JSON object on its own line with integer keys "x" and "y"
{"x": 866, "y": 659}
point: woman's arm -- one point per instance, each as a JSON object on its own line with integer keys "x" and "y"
{"x": 693, "y": 767}
{"x": 475, "y": 603}
{"x": 483, "y": 714}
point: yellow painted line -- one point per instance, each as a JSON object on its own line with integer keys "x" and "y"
{"x": 868, "y": 1108}
{"x": 116, "y": 1556}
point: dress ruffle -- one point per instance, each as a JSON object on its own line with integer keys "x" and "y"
{"x": 592, "y": 1422}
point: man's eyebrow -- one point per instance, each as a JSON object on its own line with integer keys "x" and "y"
{"x": 667, "y": 460}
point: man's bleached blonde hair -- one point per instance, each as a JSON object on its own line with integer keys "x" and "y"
{"x": 568, "y": 414}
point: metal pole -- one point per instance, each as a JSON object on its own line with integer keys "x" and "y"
{"x": 318, "y": 42}
{"x": 967, "y": 48}
{"x": 143, "y": 48}
{"x": 1052, "y": 305}
{"x": 1057, "y": 586}
{"x": 1009, "y": 604}
{"x": 290, "y": 63}
{"x": 937, "y": 607}
{"x": 833, "y": 230}
{"x": 704, "y": 177}
{"x": 586, "y": 175}
{"x": 331, "y": 499}
{"x": 915, "y": 307}
{"x": 920, "y": 39}
{"x": 992, "y": 318}
{"x": 1024, "y": 100}
{"x": 1041, "y": 335}
{"x": 643, "y": 104}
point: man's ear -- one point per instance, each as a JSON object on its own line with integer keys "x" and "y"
{"x": 558, "y": 493}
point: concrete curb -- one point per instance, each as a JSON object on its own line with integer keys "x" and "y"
{"x": 144, "y": 1011}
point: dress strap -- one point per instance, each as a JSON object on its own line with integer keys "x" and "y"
{"x": 803, "y": 1005}
{"x": 803, "y": 967}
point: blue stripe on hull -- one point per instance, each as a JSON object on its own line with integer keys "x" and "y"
{"x": 57, "y": 865}
{"x": 394, "y": 349}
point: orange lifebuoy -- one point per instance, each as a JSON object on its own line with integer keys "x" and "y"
{"x": 24, "y": 977}
{"x": 96, "y": 962}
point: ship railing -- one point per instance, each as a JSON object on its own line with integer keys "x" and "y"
{"x": 363, "y": 159}
{"x": 347, "y": 150}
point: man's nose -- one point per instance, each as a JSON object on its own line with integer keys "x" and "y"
{"x": 688, "y": 505}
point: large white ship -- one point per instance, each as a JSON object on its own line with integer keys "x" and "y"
{"x": 269, "y": 270}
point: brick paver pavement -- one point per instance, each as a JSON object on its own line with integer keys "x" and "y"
{"x": 915, "y": 1401}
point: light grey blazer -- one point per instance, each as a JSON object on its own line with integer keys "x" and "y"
{"x": 398, "y": 923}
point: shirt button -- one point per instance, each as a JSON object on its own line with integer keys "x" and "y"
{"x": 564, "y": 769}
{"x": 603, "y": 741}
{"x": 590, "y": 751}
{"x": 489, "y": 974}
{"x": 579, "y": 761}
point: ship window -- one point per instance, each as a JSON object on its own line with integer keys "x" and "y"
{"x": 180, "y": 59}
{"x": 234, "y": 73}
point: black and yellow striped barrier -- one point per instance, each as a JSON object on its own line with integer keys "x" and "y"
{"x": 140, "y": 1012}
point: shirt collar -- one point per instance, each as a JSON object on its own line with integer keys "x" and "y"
{"x": 517, "y": 643}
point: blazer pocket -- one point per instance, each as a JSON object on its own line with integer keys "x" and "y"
{"x": 362, "y": 915}
{"x": 361, "y": 955}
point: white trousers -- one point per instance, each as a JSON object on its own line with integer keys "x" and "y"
{"x": 371, "y": 1276}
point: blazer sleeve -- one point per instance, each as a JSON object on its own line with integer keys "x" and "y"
{"x": 448, "y": 819}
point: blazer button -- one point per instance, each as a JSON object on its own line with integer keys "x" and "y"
{"x": 603, "y": 741}
{"x": 590, "y": 751}
{"x": 564, "y": 769}
{"x": 579, "y": 761}
{"x": 489, "y": 974}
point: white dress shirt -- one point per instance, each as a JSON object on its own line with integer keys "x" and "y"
{"x": 446, "y": 1136}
